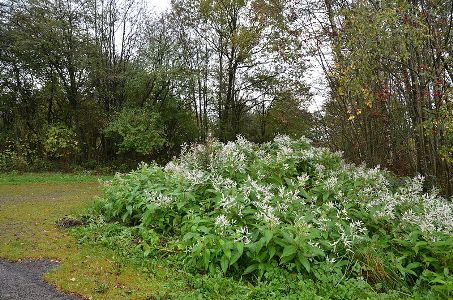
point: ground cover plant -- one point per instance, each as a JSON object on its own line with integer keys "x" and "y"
{"x": 286, "y": 218}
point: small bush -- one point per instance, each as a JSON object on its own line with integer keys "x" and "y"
{"x": 137, "y": 130}
{"x": 61, "y": 142}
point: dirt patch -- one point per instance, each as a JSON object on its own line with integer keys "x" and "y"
{"x": 68, "y": 222}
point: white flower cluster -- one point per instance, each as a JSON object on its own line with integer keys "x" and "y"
{"x": 349, "y": 234}
{"x": 436, "y": 215}
{"x": 227, "y": 202}
{"x": 243, "y": 235}
{"x": 409, "y": 204}
{"x": 283, "y": 141}
{"x": 195, "y": 176}
{"x": 223, "y": 223}
{"x": 157, "y": 198}
{"x": 221, "y": 183}
{"x": 266, "y": 212}
{"x": 330, "y": 183}
{"x": 230, "y": 156}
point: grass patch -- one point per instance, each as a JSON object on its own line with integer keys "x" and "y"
{"x": 20, "y": 178}
{"x": 28, "y": 213}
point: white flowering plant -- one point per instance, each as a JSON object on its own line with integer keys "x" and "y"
{"x": 242, "y": 208}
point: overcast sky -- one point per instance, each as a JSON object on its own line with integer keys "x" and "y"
{"x": 159, "y": 4}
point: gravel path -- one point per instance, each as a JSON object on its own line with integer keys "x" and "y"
{"x": 23, "y": 281}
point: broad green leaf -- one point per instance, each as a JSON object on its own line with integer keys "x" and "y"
{"x": 240, "y": 247}
{"x": 227, "y": 253}
{"x": 304, "y": 261}
{"x": 289, "y": 251}
{"x": 250, "y": 269}
{"x": 224, "y": 263}
{"x": 272, "y": 252}
{"x": 206, "y": 259}
{"x": 268, "y": 236}
{"x": 413, "y": 265}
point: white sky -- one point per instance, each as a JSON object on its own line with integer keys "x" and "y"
{"x": 315, "y": 79}
{"x": 159, "y": 5}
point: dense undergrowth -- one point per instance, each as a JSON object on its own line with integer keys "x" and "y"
{"x": 282, "y": 220}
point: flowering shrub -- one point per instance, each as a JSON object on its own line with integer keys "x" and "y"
{"x": 243, "y": 208}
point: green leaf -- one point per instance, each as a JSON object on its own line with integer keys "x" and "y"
{"x": 206, "y": 259}
{"x": 250, "y": 269}
{"x": 317, "y": 252}
{"x": 180, "y": 204}
{"x": 437, "y": 280}
{"x": 224, "y": 263}
{"x": 259, "y": 245}
{"x": 125, "y": 216}
{"x": 203, "y": 229}
{"x": 413, "y": 265}
{"x": 304, "y": 261}
{"x": 305, "y": 194}
{"x": 147, "y": 218}
{"x": 147, "y": 249}
{"x": 272, "y": 252}
{"x": 418, "y": 245}
{"x": 408, "y": 271}
{"x": 268, "y": 236}
{"x": 288, "y": 181}
{"x": 240, "y": 247}
{"x": 188, "y": 236}
{"x": 227, "y": 253}
{"x": 237, "y": 254}
{"x": 287, "y": 238}
{"x": 289, "y": 251}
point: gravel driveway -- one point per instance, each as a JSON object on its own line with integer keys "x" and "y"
{"x": 23, "y": 281}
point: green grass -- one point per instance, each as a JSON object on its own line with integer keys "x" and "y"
{"x": 20, "y": 178}
{"x": 28, "y": 212}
